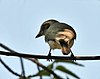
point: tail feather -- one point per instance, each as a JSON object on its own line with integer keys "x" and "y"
{"x": 64, "y": 47}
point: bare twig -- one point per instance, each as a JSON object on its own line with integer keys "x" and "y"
{"x": 32, "y": 59}
{"x": 50, "y": 57}
{"x": 21, "y": 60}
{"x": 22, "y": 67}
{"x": 8, "y": 68}
{"x": 45, "y": 68}
{"x": 38, "y": 67}
{"x": 6, "y": 48}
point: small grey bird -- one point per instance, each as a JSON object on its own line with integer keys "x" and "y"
{"x": 58, "y": 35}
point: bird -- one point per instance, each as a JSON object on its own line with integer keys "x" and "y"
{"x": 58, "y": 35}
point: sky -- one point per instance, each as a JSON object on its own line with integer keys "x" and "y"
{"x": 20, "y": 21}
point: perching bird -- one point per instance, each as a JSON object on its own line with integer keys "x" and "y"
{"x": 58, "y": 35}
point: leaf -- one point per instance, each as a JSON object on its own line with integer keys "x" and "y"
{"x": 50, "y": 66}
{"x": 41, "y": 73}
{"x": 65, "y": 70}
{"x": 70, "y": 62}
{"x": 24, "y": 78}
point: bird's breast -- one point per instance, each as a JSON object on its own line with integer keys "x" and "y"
{"x": 54, "y": 45}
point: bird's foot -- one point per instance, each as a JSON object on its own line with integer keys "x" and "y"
{"x": 73, "y": 57}
{"x": 49, "y": 56}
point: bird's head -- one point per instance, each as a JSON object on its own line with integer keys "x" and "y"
{"x": 45, "y": 26}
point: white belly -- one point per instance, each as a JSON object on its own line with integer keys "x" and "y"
{"x": 54, "y": 45}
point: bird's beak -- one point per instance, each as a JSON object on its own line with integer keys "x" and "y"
{"x": 38, "y": 35}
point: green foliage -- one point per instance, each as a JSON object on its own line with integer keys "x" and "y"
{"x": 24, "y": 78}
{"x": 50, "y": 66}
{"x": 60, "y": 68}
{"x": 68, "y": 61}
{"x": 42, "y": 73}
{"x": 65, "y": 70}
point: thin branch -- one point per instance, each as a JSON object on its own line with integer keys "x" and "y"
{"x": 21, "y": 60}
{"x": 50, "y": 57}
{"x": 8, "y": 68}
{"x": 33, "y": 60}
{"x": 45, "y": 68}
{"x": 6, "y": 48}
{"x": 22, "y": 67}
{"x": 39, "y": 70}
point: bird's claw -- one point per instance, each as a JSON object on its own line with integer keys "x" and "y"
{"x": 73, "y": 57}
{"x": 49, "y": 56}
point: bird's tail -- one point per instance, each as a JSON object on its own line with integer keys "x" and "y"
{"x": 64, "y": 47}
